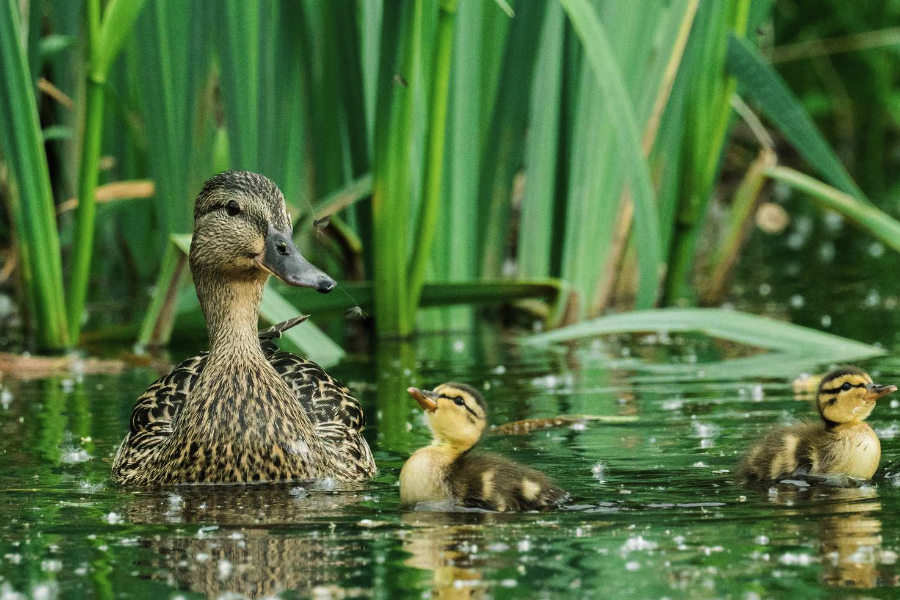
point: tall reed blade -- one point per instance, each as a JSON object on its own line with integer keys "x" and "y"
{"x": 32, "y": 209}
{"x": 608, "y": 76}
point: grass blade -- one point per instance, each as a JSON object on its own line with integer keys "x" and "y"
{"x": 609, "y": 78}
{"x": 742, "y": 328}
{"x": 865, "y": 216}
{"x": 434, "y": 159}
{"x": 761, "y": 83}
{"x": 31, "y": 202}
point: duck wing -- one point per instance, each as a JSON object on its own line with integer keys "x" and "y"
{"x": 153, "y": 415}
{"x": 336, "y": 415}
{"x": 494, "y": 482}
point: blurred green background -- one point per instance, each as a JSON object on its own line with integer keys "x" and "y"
{"x": 570, "y": 157}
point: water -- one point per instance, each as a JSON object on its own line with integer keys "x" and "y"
{"x": 655, "y": 511}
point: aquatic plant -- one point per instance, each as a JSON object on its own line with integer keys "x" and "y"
{"x": 424, "y": 147}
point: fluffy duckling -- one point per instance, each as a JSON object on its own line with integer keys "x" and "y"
{"x": 843, "y": 444}
{"x": 448, "y": 470}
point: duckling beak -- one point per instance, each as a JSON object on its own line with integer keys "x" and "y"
{"x": 875, "y": 391}
{"x": 282, "y": 258}
{"x": 426, "y": 400}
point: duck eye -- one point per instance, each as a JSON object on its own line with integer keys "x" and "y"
{"x": 233, "y": 208}
{"x": 459, "y": 401}
{"x": 846, "y": 386}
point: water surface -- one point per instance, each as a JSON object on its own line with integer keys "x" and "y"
{"x": 655, "y": 510}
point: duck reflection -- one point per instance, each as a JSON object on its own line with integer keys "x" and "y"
{"x": 451, "y": 545}
{"x": 849, "y": 531}
{"x": 252, "y": 542}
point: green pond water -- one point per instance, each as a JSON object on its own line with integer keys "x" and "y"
{"x": 655, "y": 510}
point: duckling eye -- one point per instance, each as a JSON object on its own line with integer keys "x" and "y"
{"x": 846, "y": 386}
{"x": 233, "y": 208}
{"x": 459, "y": 401}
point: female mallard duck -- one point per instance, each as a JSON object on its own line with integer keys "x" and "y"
{"x": 244, "y": 412}
{"x": 447, "y": 470}
{"x": 843, "y": 444}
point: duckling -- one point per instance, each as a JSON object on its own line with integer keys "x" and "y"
{"x": 448, "y": 470}
{"x": 245, "y": 411}
{"x": 843, "y": 444}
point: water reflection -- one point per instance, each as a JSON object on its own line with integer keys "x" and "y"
{"x": 849, "y": 529}
{"x": 446, "y": 544}
{"x": 251, "y": 543}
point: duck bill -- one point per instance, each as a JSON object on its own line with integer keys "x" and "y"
{"x": 282, "y": 258}
{"x": 427, "y": 400}
{"x": 875, "y": 391}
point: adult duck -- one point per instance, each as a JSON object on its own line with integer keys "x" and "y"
{"x": 244, "y": 412}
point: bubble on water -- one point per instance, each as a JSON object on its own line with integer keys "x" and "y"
{"x": 68, "y": 385}
{"x": 699, "y": 464}
{"x": 757, "y": 393}
{"x": 202, "y": 557}
{"x": 761, "y": 540}
{"x": 632, "y": 565}
{"x": 705, "y": 430}
{"x": 206, "y": 529}
{"x": 827, "y": 252}
{"x": 798, "y": 301}
{"x": 765, "y": 289}
{"x": 51, "y": 565}
{"x": 298, "y": 492}
{"x": 876, "y": 249}
{"x": 791, "y": 558}
{"x": 578, "y": 427}
{"x": 826, "y": 320}
{"x": 509, "y": 583}
{"x": 637, "y": 544}
{"x": 326, "y": 484}
{"x": 773, "y": 492}
{"x": 45, "y": 590}
{"x": 889, "y": 432}
{"x": 873, "y": 298}
{"x": 459, "y": 346}
{"x": 176, "y": 502}
{"x": 674, "y": 404}
{"x": 599, "y": 472}
{"x": 547, "y": 381}
{"x": 114, "y": 518}
{"x": 91, "y": 488}
{"x": 499, "y": 370}
{"x": 523, "y": 546}
{"x": 895, "y": 403}
{"x": 6, "y": 399}
{"x": 887, "y": 557}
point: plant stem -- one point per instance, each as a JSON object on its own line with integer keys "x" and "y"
{"x": 434, "y": 163}
{"x": 84, "y": 216}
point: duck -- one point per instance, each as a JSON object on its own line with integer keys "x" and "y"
{"x": 841, "y": 444}
{"x": 448, "y": 469}
{"x": 244, "y": 412}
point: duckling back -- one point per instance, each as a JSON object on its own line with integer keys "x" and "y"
{"x": 496, "y": 483}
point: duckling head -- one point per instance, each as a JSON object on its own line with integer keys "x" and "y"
{"x": 242, "y": 231}
{"x": 456, "y": 413}
{"x": 847, "y": 395}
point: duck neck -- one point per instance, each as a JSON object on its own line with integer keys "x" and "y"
{"x": 231, "y": 308}
{"x": 453, "y": 448}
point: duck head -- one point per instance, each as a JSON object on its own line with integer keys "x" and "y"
{"x": 242, "y": 231}
{"x": 456, "y": 413}
{"x": 848, "y": 395}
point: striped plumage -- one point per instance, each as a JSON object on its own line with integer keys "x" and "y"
{"x": 842, "y": 443}
{"x": 245, "y": 411}
{"x": 449, "y": 469}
